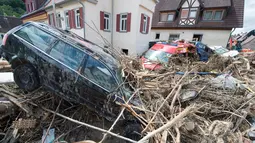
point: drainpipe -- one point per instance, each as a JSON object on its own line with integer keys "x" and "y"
{"x": 83, "y": 7}
{"x": 112, "y": 23}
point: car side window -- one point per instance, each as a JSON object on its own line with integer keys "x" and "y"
{"x": 97, "y": 72}
{"x": 36, "y": 37}
{"x": 67, "y": 54}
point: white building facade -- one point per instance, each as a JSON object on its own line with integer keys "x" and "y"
{"x": 124, "y": 24}
{"x": 207, "y": 21}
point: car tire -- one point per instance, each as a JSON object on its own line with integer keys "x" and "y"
{"x": 133, "y": 131}
{"x": 26, "y": 77}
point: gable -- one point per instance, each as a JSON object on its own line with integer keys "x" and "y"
{"x": 191, "y": 3}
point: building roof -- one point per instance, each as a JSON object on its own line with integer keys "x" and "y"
{"x": 169, "y": 5}
{"x": 7, "y": 23}
{"x": 39, "y": 8}
{"x": 233, "y": 19}
{"x": 216, "y": 3}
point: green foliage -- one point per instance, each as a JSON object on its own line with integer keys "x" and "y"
{"x": 12, "y": 8}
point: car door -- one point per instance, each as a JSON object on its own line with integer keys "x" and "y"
{"x": 96, "y": 82}
{"x": 64, "y": 66}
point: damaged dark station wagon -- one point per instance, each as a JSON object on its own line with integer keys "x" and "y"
{"x": 74, "y": 68}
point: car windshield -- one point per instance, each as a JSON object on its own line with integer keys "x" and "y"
{"x": 160, "y": 56}
{"x": 221, "y": 50}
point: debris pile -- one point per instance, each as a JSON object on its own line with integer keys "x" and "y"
{"x": 186, "y": 101}
{"x": 220, "y": 93}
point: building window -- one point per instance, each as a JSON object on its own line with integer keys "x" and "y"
{"x": 193, "y": 13}
{"x": 77, "y": 19}
{"x": 106, "y": 21}
{"x": 213, "y": 15}
{"x": 67, "y": 20}
{"x": 145, "y": 22}
{"x": 189, "y": 13}
{"x": 208, "y": 15}
{"x": 125, "y": 51}
{"x": 185, "y": 13}
{"x": 173, "y": 37}
{"x": 59, "y": 24}
{"x": 170, "y": 17}
{"x": 166, "y": 17}
{"x": 157, "y": 36}
{"x": 217, "y": 15}
{"x": 123, "y": 22}
{"x": 197, "y": 37}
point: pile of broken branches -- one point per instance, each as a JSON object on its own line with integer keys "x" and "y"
{"x": 216, "y": 112}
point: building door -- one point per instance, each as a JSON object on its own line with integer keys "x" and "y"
{"x": 197, "y": 37}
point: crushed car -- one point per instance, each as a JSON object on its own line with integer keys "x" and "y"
{"x": 158, "y": 55}
{"x": 204, "y": 52}
{"x": 68, "y": 65}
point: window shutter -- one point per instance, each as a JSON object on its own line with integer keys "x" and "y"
{"x": 49, "y": 19}
{"x": 141, "y": 24}
{"x": 81, "y": 17}
{"x": 70, "y": 19}
{"x": 53, "y": 15}
{"x": 148, "y": 25}
{"x": 101, "y": 20}
{"x": 118, "y": 23}
{"x": 73, "y": 18}
{"x": 128, "y": 22}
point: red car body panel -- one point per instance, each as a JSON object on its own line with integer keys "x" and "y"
{"x": 181, "y": 48}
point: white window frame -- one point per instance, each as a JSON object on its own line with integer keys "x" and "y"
{"x": 145, "y": 21}
{"x": 58, "y": 19}
{"x": 67, "y": 22}
{"x": 76, "y": 20}
{"x": 109, "y": 21}
{"x": 176, "y": 35}
{"x": 124, "y": 20}
{"x": 171, "y": 19}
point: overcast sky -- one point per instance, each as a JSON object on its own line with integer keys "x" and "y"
{"x": 249, "y": 17}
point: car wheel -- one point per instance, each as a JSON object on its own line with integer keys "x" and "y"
{"x": 133, "y": 131}
{"x": 26, "y": 77}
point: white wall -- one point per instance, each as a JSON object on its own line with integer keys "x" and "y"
{"x": 210, "y": 37}
{"x": 142, "y": 42}
{"x": 134, "y": 41}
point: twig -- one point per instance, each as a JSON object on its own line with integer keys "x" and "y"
{"x": 51, "y": 122}
{"x": 90, "y": 126}
{"x": 178, "y": 135}
{"x": 122, "y": 111}
{"x": 174, "y": 99}
{"x": 171, "y": 123}
{"x": 169, "y": 95}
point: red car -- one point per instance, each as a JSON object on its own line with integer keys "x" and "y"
{"x": 160, "y": 53}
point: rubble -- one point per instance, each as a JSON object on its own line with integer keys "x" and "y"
{"x": 178, "y": 108}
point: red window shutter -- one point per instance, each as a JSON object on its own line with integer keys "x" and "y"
{"x": 148, "y": 25}
{"x": 49, "y": 19}
{"x": 53, "y": 17}
{"x": 70, "y": 19}
{"x": 81, "y": 17}
{"x": 141, "y": 24}
{"x": 128, "y": 22}
{"x": 118, "y": 23}
{"x": 101, "y": 20}
{"x": 73, "y": 18}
